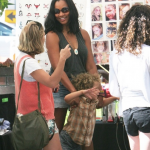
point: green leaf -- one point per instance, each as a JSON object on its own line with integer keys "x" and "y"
{"x": 4, "y": 4}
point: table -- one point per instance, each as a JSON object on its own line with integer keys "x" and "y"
{"x": 7, "y": 109}
{"x": 5, "y": 141}
{"x": 105, "y": 134}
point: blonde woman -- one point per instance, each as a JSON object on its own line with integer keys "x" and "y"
{"x": 31, "y": 43}
{"x": 96, "y": 14}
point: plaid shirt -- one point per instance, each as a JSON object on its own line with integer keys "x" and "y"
{"x": 81, "y": 122}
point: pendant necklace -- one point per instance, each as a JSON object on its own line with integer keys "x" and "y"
{"x": 75, "y": 49}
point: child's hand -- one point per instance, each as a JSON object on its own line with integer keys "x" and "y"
{"x": 118, "y": 98}
{"x": 115, "y": 98}
{"x": 91, "y": 93}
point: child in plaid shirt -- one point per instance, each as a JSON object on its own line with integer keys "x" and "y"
{"x": 81, "y": 122}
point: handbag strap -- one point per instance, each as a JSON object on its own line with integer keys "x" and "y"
{"x": 39, "y": 104}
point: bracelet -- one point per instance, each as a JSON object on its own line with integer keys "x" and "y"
{"x": 101, "y": 93}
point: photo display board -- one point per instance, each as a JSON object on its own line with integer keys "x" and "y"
{"x": 105, "y": 18}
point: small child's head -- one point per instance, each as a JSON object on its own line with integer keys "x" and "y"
{"x": 85, "y": 81}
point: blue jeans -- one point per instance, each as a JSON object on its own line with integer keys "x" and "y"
{"x": 59, "y": 97}
{"x": 67, "y": 143}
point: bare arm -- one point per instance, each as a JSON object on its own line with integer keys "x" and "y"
{"x": 68, "y": 98}
{"x": 89, "y": 93}
{"x": 53, "y": 80}
{"x": 90, "y": 65}
{"x": 52, "y": 44}
{"x": 109, "y": 100}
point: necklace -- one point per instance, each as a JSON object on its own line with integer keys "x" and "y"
{"x": 75, "y": 49}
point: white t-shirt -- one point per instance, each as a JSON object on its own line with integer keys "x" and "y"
{"x": 31, "y": 65}
{"x": 129, "y": 78}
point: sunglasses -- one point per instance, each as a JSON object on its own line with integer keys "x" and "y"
{"x": 37, "y": 23}
{"x": 63, "y": 10}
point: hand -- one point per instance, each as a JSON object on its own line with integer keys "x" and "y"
{"x": 100, "y": 103}
{"x": 55, "y": 90}
{"x": 65, "y": 53}
{"x": 91, "y": 93}
{"x": 118, "y": 98}
{"x": 75, "y": 102}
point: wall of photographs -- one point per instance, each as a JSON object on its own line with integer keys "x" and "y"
{"x": 106, "y": 16}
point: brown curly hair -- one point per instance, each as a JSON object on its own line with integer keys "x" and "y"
{"x": 85, "y": 81}
{"x": 134, "y": 30}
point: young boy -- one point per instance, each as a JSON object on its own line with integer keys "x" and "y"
{"x": 81, "y": 122}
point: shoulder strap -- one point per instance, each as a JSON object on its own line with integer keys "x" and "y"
{"x": 39, "y": 105}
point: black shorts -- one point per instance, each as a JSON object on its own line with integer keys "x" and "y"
{"x": 137, "y": 119}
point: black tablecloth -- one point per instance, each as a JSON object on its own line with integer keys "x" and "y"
{"x": 7, "y": 109}
{"x": 5, "y": 141}
{"x": 105, "y": 135}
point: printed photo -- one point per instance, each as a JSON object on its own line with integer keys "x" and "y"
{"x": 100, "y": 46}
{"x": 111, "y": 29}
{"x": 95, "y": 1}
{"x": 110, "y": 12}
{"x": 97, "y": 31}
{"x": 101, "y": 58}
{"x": 147, "y": 2}
{"x": 138, "y": 3}
{"x": 96, "y": 14}
{"x": 110, "y": 0}
{"x": 123, "y": 8}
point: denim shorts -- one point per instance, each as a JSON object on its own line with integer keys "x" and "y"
{"x": 137, "y": 119}
{"x": 67, "y": 143}
{"x": 59, "y": 97}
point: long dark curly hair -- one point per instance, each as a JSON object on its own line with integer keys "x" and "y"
{"x": 134, "y": 30}
{"x": 51, "y": 24}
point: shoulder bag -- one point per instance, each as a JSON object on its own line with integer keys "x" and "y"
{"x": 30, "y": 131}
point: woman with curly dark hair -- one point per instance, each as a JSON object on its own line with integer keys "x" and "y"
{"x": 62, "y": 27}
{"x": 130, "y": 74}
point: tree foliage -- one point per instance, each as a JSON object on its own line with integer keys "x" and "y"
{"x": 4, "y": 4}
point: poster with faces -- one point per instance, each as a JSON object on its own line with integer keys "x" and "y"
{"x": 105, "y": 19}
{"x": 37, "y": 10}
